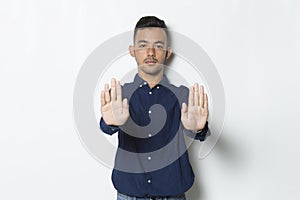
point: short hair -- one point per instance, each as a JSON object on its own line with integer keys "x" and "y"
{"x": 148, "y": 22}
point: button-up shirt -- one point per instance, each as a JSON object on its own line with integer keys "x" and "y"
{"x": 152, "y": 157}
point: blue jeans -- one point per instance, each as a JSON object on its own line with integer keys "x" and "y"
{"x": 121, "y": 196}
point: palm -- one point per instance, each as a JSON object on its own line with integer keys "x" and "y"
{"x": 194, "y": 116}
{"x": 115, "y": 111}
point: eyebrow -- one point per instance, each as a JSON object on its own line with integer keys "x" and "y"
{"x": 145, "y": 41}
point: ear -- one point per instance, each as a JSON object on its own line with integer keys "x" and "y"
{"x": 131, "y": 50}
{"x": 169, "y": 53}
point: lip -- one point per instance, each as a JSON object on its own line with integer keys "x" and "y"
{"x": 150, "y": 62}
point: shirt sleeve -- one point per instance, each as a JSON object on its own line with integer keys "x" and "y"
{"x": 201, "y": 135}
{"x": 108, "y": 129}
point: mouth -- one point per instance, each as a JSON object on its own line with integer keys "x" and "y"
{"x": 150, "y": 62}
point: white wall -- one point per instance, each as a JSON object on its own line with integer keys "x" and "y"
{"x": 254, "y": 44}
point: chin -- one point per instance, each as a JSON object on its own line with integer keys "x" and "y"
{"x": 148, "y": 71}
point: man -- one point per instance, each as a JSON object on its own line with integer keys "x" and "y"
{"x": 151, "y": 117}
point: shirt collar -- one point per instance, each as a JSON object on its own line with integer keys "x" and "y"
{"x": 164, "y": 81}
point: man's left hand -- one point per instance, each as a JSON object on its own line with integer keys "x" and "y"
{"x": 195, "y": 114}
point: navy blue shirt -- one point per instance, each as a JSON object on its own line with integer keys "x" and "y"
{"x": 152, "y": 157}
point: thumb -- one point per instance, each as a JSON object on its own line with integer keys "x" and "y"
{"x": 125, "y": 103}
{"x": 184, "y": 110}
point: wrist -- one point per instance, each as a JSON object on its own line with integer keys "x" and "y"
{"x": 197, "y": 131}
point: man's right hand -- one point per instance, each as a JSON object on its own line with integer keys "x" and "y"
{"x": 114, "y": 110}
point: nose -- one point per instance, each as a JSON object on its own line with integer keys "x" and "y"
{"x": 151, "y": 51}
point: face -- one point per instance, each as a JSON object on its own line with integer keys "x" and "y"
{"x": 150, "y": 50}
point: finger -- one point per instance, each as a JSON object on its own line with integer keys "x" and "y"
{"x": 119, "y": 91}
{"x": 106, "y": 93}
{"x": 191, "y": 96}
{"x": 205, "y": 101}
{"x": 196, "y": 94}
{"x": 102, "y": 98}
{"x": 184, "y": 110}
{"x": 113, "y": 89}
{"x": 201, "y": 96}
{"x": 125, "y": 103}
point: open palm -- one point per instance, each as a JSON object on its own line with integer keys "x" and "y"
{"x": 194, "y": 116}
{"x": 115, "y": 111}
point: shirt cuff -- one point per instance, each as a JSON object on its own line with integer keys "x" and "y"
{"x": 109, "y": 129}
{"x": 201, "y": 134}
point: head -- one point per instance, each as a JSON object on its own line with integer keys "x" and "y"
{"x": 150, "y": 48}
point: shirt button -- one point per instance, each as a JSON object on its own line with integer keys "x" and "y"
{"x": 149, "y": 111}
{"x": 149, "y": 157}
{"x": 150, "y": 92}
{"x": 149, "y": 181}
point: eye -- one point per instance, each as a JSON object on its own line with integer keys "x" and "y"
{"x": 159, "y": 46}
{"x": 142, "y": 45}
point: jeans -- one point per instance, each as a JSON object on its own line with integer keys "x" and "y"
{"x": 121, "y": 196}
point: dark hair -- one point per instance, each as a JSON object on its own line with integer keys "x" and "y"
{"x": 150, "y": 21}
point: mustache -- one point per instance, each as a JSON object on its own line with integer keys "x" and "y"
{"x": 150, "y": 59}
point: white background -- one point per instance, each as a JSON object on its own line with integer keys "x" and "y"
{"x": 255, "y": 45}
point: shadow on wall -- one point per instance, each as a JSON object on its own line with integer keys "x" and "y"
{"x": 227, "y": 152}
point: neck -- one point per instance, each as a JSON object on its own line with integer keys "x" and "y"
{"x": 152, "y": 80}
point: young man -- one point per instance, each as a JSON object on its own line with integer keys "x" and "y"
{"x": 151, "y": 117}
